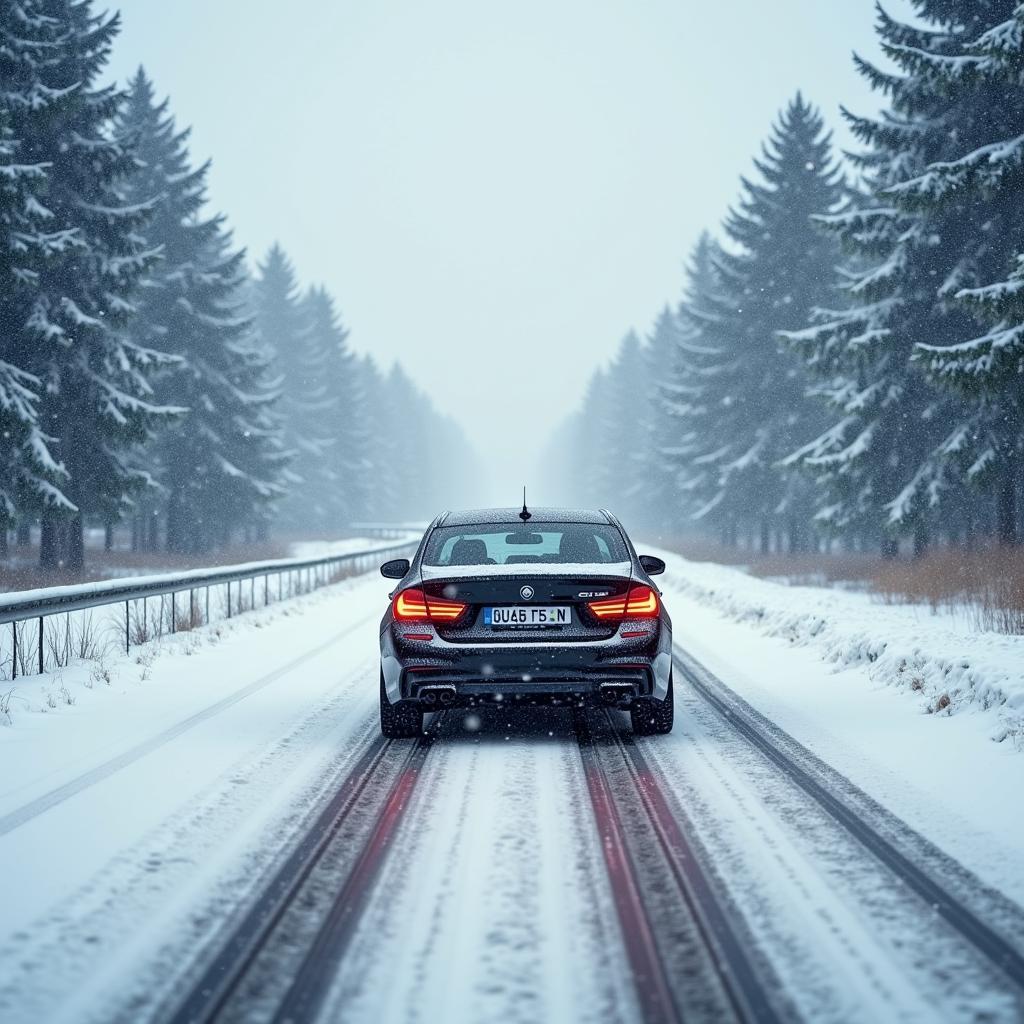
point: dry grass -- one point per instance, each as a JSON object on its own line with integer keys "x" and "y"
{"x": 71, "y": 638}
{"x": 188, "y": 615}
{"x": 987, "y": 585}
{"x": 5, "y": 706}
{"x": 809, "y": 568}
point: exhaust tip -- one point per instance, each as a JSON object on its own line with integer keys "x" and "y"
{"x": 442, "y": 694}
{"x": 612, "y": 693}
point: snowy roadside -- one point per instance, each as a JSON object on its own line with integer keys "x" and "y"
{"x": 903, "y": 702}
{"x": 950, "y": 667}
{"x": 176, "y": 776}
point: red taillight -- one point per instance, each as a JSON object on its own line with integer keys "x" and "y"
{"x": 640, "y": 603}
{"x": 415, "y": 606}
{"x": 410, "y": 606}
{"x": 444, "y": 611}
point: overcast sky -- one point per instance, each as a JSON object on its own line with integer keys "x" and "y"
{"x": 493, "y": 192}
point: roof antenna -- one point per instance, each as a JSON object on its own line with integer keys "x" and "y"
{"x": 525, "y": 514}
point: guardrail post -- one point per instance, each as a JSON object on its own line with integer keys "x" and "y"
{"x": 14, "y": 659}
{"x": 127, "y": 630}
{"x": 229, "y": 599}
{"x": 266, "y": 590}
{"x": 252, "y": 592}
{"x": 40, "y": 645}
{"x": 191, "y": 609}
{"x": 174, "y": 625}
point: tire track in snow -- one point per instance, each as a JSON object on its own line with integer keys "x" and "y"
{"x": 653, "y": 987}
{"x": 852, "y": 937}
{"x": 986, "y": 940}
{"x": 493, "y": 905}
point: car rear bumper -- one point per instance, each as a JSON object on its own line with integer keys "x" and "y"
{"x": 612, "y": 672}
{"x": 611, "y": 687}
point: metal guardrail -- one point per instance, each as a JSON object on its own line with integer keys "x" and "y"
{"x": 293, "y": 576}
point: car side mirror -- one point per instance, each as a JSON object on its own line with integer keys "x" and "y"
{"x": 395, "y": 569}
{"x": 651, "y": 565}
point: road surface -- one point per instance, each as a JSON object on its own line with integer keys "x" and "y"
{"x": 230, "y": 839}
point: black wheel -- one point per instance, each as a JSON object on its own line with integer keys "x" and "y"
{"x": 401, "y": 721}
{"x": 650, "y": 717}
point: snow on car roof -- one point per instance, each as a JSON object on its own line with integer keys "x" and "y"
{"x": 485, "y": 516}
{"x": 436, "y": 572}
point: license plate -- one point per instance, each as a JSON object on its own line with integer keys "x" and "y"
{"x": 517, "y": 615}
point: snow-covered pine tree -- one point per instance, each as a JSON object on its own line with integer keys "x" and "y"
{"x": 888, "y": 458}
{"x": 218, "y": 466}
{"x": 405, "y": 417}
{"x": 29, "y": 476}
{"x": 381, "y": 494}
{"x": 621, "y": 431}
{"x": 592, "y": 481}
{"x": 420, "y": 460}
{"x": 975, "y": 61}
{"x": 97, "y": 398}
{"x": 454, "y": 471}
{"x": 253, "y": 439}
{"x": 777, "y": 268}
{"x": 661, "y": 502}
{"x": 691, "y": 448}
{"x": 345, "y": 497}
{"x": 681, "y": 424}
{"x": 307, "y": 403}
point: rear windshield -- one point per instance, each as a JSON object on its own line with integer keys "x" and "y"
{"x": 547, "y": 543}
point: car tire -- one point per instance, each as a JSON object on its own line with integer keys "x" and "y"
{"x": 650, "y": 717}
{"x": 400, "y": 721}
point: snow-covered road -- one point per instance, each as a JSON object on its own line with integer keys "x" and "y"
{"x": 161, "y": 797}
{"x": 139, "y": 824}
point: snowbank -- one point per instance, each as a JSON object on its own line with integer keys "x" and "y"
{"x": 929, "y": 655}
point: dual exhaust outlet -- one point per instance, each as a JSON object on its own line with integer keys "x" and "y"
{"x": 443, "y": 694}
{"x": 612, "y": 693}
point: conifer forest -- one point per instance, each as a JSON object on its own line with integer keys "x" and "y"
{"x": 152, "y": 374}
{"x": 845, "y": 363}
{"x": 847, "y": 360}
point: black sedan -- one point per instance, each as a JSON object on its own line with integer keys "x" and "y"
{"x": 542, "y": 606}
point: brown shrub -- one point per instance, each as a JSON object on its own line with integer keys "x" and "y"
{"x": 986, "y": 585}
